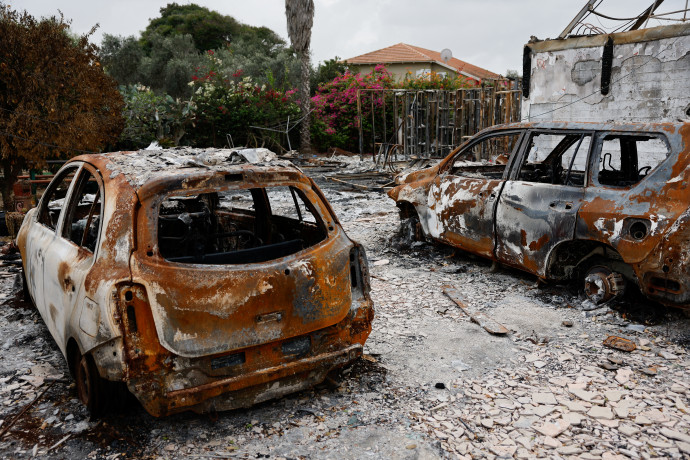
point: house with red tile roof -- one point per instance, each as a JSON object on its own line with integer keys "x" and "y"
{"x": 403, "y": 59}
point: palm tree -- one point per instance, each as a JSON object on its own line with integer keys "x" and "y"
{"x": 300, "y": 18}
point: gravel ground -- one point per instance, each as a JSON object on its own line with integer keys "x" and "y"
{"x": 432, "y": 383}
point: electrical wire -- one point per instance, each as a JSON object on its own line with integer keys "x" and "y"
{"x": 596, "y": 13}
{"x": 629, "y": 21}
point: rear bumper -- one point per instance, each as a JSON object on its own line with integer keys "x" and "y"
{"x": 246, "y": 389}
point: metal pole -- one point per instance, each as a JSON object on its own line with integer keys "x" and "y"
{"x": 585, "y": 9}
{"x": 644, "y": 17}
{"x": 359, "y": 122}
{"x": 287, "y": 134}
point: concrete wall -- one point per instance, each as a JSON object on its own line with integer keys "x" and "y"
{"x": 400, "y": 70}
{"x": 650, "y": 79}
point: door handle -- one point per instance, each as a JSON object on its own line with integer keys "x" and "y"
{"x": 567, "y": 206}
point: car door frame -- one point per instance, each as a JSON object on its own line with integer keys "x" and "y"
{"x": 532, "y": 218}
{"x": 66, "y": 265}
{"x": 40, "y": 237}
{"x": 600, "y": 218}
{"x": 473, "y": 200}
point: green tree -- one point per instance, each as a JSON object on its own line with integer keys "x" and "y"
{"x": 167, "y": 66}
{"x": 166, "y": 56}
{"x": 326, "y": 72}
{"x": 209, "y": 30}
{"x": 300, "y": 18}
{"x": 513, "y": 74}
{"x": 170, "y": 63}
{"x": 55, "y": 99}
{"x": 121, "y": 58}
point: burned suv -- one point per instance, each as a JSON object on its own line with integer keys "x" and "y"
{"x": 204, "y": 279}
{"x": 605, "y": 203}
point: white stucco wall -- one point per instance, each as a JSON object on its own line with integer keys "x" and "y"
{"x": 650, "y": 78}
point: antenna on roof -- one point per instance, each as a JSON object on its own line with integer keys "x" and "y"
{"x": 446, "y": 54}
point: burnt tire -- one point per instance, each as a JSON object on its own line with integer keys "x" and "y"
{"x": 91, "y": 388}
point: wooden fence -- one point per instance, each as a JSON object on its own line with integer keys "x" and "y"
{"x": 403, "y": 124}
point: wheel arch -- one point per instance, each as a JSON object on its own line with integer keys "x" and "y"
{"x": 568, "y": 259}
{"x": 406, "y": 209}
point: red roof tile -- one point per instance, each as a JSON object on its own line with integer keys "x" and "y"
{"x": 402, "y": 53}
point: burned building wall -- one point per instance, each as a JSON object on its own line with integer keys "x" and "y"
{"x": 647, "y": 72}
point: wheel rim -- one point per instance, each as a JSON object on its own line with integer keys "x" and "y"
{"x": 602, "y": 284}
{"x": 596, "y": 287}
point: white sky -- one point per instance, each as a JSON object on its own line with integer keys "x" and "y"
{"x": 488, "y": 33}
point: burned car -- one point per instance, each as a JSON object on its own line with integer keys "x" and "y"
{"x": 205, "y": 280}
{"x": 604, "y": 203}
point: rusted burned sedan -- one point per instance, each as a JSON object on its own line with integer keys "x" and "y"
{"x": 201, "y": 279}
{"x": 605, "y": 203}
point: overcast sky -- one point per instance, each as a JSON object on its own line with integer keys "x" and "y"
{"x": 486, "y": 33}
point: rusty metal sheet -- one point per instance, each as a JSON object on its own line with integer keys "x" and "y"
{"x": 478, "y": 317}
{"x": 619, "y": 343}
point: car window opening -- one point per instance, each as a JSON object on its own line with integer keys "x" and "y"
{"x": 627, "y": 159}
{"x": 237, "y": 226}
{"x": 84, "y": 213}
{"x": 54, "y": 198}
{"x": 556, "y": 159}
{"x": 486, "y": 159}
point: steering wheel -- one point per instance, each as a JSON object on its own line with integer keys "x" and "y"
{"x": 644, "y": 170}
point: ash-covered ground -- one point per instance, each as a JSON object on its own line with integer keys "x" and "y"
{"x": 433, "y": 384}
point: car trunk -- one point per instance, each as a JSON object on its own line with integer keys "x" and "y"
{"x": 199, "y": 311}
{"x": 235, "y": 269}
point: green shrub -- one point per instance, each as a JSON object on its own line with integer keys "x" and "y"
{"x": 150, "y": 117}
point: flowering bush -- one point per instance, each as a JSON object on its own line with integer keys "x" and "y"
{"x": 150, "y": 117}
{"x": 231, "y": 103}
{"x": 335, "y": 122}
{"x": 437, "y": 81}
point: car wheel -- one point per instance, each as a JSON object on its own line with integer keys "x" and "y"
{"x": 90, "y": 385}
{"x": 602, "y": 284}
